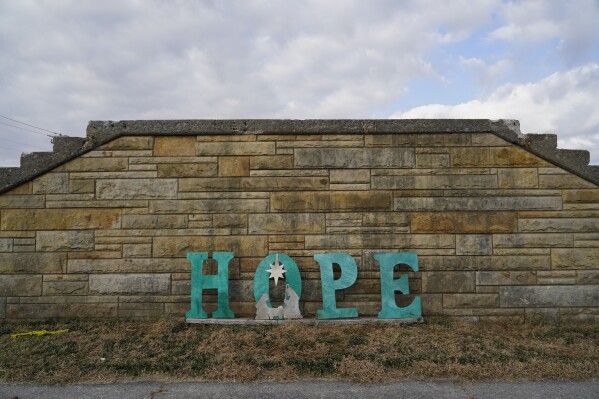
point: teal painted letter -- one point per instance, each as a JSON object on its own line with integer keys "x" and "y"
{"x": 349, "y": 274}
{"x": 200, "y": 281}
{"x": 261, "y": 277}
{"x": 389, "y": 286}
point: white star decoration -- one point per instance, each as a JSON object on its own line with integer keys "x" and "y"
{"x": 276, "y": 270}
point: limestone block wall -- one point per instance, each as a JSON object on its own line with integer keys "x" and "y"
{"x": 500, "y": 233}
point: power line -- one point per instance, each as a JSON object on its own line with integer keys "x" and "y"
{"x": 13, "y": 149}
{"x": 27, "y": 124}
{"x": 24, "y": 128}
{"x": 19, "y": 142}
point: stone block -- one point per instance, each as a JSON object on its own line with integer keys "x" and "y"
{"x": 418, "y": 139}
{"x": 109, "y": 189}
{"x": 60, "y": 219}
{"x": 6, "y": 244}
{"x": 66, "y": 240}
{"x": 20, "y": 285}
{"x": 379, "y": 241}
{"x": 66, "y": 288}
{"x": 236, "y": 148}
{"x": 488, "y": 139}
{"x": 234, "y": 166}
{"x": 2, "y": 308}
{"x": 95, "y": 165}
{"x": 575, "y": 258}
{"x": 241, "y": 245}
{"x": 199, "y": 169}
{"x": 536, "y": 315}
{"x": 549, "y": 296}
{"x": 253, "y": 183}
{"x": 270, "y": 162}
{"x": 137, "y": 250}
{"x": 517, "y": 178}
{"x": 154, "y": 221}
{"x": 463, "y": 262}
{"x": 470, "y": 300}
{"x": 581, "y": 196}
{"x": 564, "y": 181}
{"x": 474, "y": 244}
{"x": 131, "y": 265}
{"x": 354, "y": 158}
{"x": 432, "y": 160}
{"x": 477, "y": 203}
{"x": 129, "y": 143}
{"x": 286, "y": 223}
{"x": 495, "y": 157}
{"x": 209, "y": 206}
{"x": 60, "y": 310}
{"x": 230, "y": 220}
{"x": 532, "y": 240}
{"x": 384, "y": 219}
{"x": 82, "y": 186}
{"x": 25, "y": 188}
{"x": 434, "y": 182}
{"x": 463, "y": 222}
{"x": 558, "y": 225}
{"x": 587, "y": 277}
{"x": 129, "y": 284}
{"x": 556, "y": 277}
{"x": 330, "y": 201}
{"x": 350, "y": 176}
{"x": 22, "y": 201}
{"x": 175, "y": 146}
{"x": 51, "y": 183}
{"x": 454, "y": 281}
{"x": 507, "y": 277}
{"x": 32, "y": 263}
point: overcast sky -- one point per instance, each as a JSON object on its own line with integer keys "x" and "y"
{"x": 63, "y": 63}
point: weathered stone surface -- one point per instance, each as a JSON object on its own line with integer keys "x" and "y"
{"x": 82, "y": 186}
{"x": 554, "y": 277}
{"x": 200, "y": 169}
{"x": 154, "y": 221}
{"x": 420, "y": 140}
{"x": 20, "y": 285}
{"x": 383, "y": 219}
{"x": 350, "y": 176}
{"x": 426, "y": 182}
{"x": 22, "y": 201}
{"x": 532, "y": 240}
{"x": 587, "y": 277}
{"x": 130, "y": 265}
{"x": 271, "y": 162}
{"x": 286, "y": 223}
{"x": 517, "y": 178}
{"x": 108, "y": 189}
{"x": 209, "y": 206}
{"x": 549, "y": 296}
{"x": 175, "y": 146}
{"x": 241, "y": 245}
{"x": 60, "y": 219}
{"x": 564, "y": 181}
{"x": 559, "y": 225}
{"x": 432, "y": 160}
{"x": 6, "y": 244}
{"x": 477, "y": 203}
{"x": 32, "y": 263}
{"x": 581, "y": 196}
{"x": 66, "y": 288}
{"x": 354, "y": 158}
{"x": 253, "y": 183}
{"x": 454, "y": 281}
{"x": 236, "y": 148}
{"x": 379, "y": 241}
{"x": 2, "y": 308}
{"x": 505, "y": 262}
{"x": 470, "y": 300}
{"x": 130, "y": 143}
{"x": 507, "y": 277}
{"x": 330, "y": 201}
{"x": 463, "y": 222}
{"x": 95, "y": 165}
{"x": 234, "y": 166}
{"x": 60, "y": 310}
{"x": 494, "y": 156}
{"x": 137, "y": 250}
{"x": 575, "y": 258}
{"x": 51, "y": 183}
{"x": 474, "y": 244}
{"x": 77, "y": 240}
{"x": 230, "y": 220}
{"x": 129, "y": 284}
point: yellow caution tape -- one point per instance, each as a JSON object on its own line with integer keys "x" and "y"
{"x": 38, "y": 333}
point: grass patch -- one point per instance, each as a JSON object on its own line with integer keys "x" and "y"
{"x": 170, "y": 350}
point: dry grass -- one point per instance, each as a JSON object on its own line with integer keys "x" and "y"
{"x": 170, "y": 350}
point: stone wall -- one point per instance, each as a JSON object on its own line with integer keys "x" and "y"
{"x": 501, "y": 233}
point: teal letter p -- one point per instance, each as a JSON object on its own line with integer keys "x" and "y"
{"x": 349, "y": 274}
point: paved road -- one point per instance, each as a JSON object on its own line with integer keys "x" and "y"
{"x": 311, "y": 389}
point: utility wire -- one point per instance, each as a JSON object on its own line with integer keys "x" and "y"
{"x": 19, "y": 142}
{"x": 13, "y": 149}
{"x": 27, "y": 124}
{"x": 24, "y": 128}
